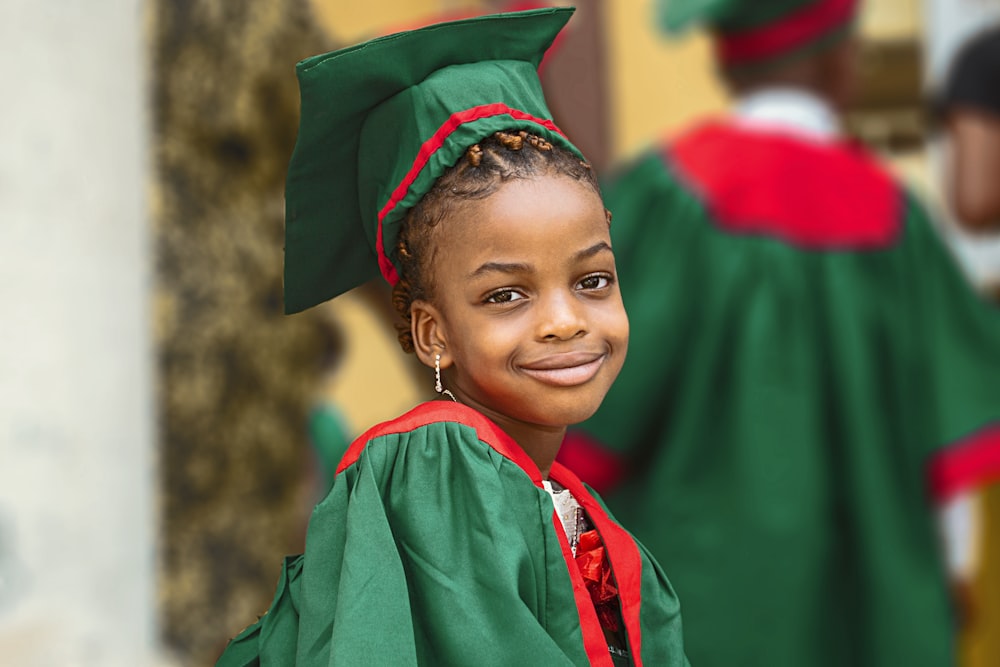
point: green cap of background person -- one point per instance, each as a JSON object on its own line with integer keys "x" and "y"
{"x": 750, "y": 32}
{"x": 382, "y": 120}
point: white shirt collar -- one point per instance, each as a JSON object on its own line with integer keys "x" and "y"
{"x": 789, "y": 110}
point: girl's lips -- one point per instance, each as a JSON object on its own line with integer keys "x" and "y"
{"x": 566, "y": 370}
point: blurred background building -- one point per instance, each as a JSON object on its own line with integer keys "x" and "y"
{"x": 163, "y": 427}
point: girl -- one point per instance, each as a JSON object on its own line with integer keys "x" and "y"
{"x": 450, "y": 536}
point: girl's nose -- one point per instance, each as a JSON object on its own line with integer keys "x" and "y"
{"x": 562, "y": 317}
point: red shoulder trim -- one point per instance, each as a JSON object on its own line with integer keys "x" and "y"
{"x": 446, "y": 411}
{"x": 626, "y": 564}
{"x": 820, "y": 196}
{"x": 971, "y": 462}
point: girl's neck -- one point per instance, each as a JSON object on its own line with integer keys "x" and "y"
{"x": 541, "y": 444}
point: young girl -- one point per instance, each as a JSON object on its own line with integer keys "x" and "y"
{"x": 450, "y": 536}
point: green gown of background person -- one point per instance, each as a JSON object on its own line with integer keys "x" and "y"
{"x": 437, "y": 545}
{"x": 804, "y": 354}
{"x": 807, "y": 371}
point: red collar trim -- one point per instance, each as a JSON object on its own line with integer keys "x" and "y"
{"x": 792, "y": 31}
{"x": 819, "y": 196}
{"x": 427, "y": 149}
{"x": 626, "y": 564}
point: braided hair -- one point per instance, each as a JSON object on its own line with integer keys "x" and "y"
{"x": 485, "y": 167}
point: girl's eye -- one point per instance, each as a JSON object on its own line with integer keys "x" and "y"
{"x": 504, "y": 296}
{"x": 597, "y": 281}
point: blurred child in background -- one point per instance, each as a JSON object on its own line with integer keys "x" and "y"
{"x": 808, "y": 369}
{"x": 970, "y": 108}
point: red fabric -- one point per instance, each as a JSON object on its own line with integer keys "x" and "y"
{"x": 973, "y": 461}
{"x": 431, "y": 146}
{"x": 623, "y": 556}
{"x": 590, "y": 623}
{"x": 787, "y": 34}
{"x": 593, "y": 563}
{"x": 810, "y": 194}
{"x": 592, "y": 462}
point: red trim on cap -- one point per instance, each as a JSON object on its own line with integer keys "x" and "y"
{"x": 805, "y": 193}
{"x": 428, "y": 149}
{"x": 786, "y": 34}
{"x": 623, "y": 554}
{"x": 971, "y": 462}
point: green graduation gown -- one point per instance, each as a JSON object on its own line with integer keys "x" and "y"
{"x": 437, "y": 545}
{"x": 806, "y": 368}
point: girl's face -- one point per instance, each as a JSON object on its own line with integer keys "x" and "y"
{"x": 527, "y": 315}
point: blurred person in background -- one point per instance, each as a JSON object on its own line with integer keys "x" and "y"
{"x": 967, "y": 106}
{"x": 808, "y": 371}
{"x": 970, "y": 111}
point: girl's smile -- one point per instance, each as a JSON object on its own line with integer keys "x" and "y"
{"x": 566, "y": 369}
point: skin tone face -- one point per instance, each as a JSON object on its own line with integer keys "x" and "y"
{"x": 526, "y": 312}
{"x": 974, "y": 158}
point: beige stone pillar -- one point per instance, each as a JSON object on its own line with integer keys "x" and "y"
{"x": 77, "y": 522}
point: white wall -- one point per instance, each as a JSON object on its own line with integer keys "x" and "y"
{"x": 77, "y": 523}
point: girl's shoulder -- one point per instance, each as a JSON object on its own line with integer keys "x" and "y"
{"x": 440, "y": 422}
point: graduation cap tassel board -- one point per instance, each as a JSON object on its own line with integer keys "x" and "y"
{"x": 383, "y": 120}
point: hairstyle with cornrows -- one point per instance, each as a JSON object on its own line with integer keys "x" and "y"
{"x": 503, "y": 156}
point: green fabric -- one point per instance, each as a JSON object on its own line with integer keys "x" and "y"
{"x": 434, "y": 549}
{"x": 777, "y": 410}
{"x": 724, "y": 15}
{"x": 365, "y": 113}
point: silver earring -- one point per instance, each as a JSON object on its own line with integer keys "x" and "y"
{"x": 438, "y": 387}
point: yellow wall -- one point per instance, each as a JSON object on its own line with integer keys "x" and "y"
{"x": 657, "y": 85}
{"x": 892, "y": 19}
{"x": 350, "y": 21}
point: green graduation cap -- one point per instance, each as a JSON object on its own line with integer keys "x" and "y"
{"x": 382, "y": 120}
{"x": 755, "y": 31}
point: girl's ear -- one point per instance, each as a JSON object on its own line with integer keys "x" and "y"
{"x": 429, "y": 336}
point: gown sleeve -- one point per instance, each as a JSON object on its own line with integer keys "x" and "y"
{"x": 961, "y": 353}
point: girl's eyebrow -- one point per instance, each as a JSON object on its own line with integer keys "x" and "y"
{"x": 501, "y": 267}
{"x": 592, "y": 250}
{"x": 521, "y": 267}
